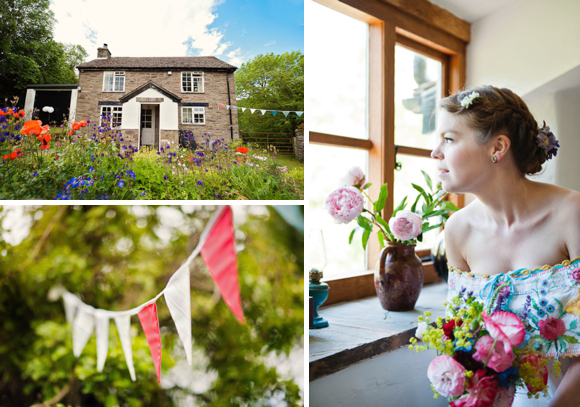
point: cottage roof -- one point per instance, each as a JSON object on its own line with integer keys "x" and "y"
{"x": 157, "y": 63}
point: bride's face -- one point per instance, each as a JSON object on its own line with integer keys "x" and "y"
{"x": 463, "y": 161}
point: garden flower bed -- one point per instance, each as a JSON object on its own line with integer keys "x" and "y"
{"x": 95, "y": 162}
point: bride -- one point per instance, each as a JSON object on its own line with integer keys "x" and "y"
{"x": 517, "y": 230}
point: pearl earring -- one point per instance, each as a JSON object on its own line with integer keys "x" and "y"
{"x": 494, "y": 159}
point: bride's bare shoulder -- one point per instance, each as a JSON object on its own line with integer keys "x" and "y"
{"x": 457, "y": 231}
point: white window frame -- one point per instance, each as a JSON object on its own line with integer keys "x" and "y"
{"x": 196, "y": 115}
{"x": 115, "y": 111}
{"x": 192, "y": 76}
{"x": 115, "y": 74}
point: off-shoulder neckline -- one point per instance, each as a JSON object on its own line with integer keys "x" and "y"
{"x": 546, "y": 267}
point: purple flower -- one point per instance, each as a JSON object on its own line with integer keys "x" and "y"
{"x": 35, "y": 174}
{"x": 165, "y": 178}
{"x": 199, "y": 183}
{"x": 121, "y": 183}
{"x": 547, "y": 141}
{"x": 143, "y": 193}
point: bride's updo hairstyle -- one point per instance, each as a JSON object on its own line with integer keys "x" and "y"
{"x": 500, "y": 111}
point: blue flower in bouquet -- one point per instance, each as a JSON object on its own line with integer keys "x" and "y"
{"x": 508, "y": 377}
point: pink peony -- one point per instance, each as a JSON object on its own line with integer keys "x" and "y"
{"x": 344, "y": 204}
{"x": 499, "y": 358}
{"x": 575, "y": 275}
{"x": 552, "y": 328}
{"x": 354, "y": 178}
{"x": 481, "y": 392}
{"x": 504, "y": 325}
{"x": 406, "y": 225}
{"x": 447, "y": 376}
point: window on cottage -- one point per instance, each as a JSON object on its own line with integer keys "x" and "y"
{"x": 112, "y": 115}
{"x": 192, "y": 82}
{"x": 193, "y": 115}
{"x": 114, "y": 82}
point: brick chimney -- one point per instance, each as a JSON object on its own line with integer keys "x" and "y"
{"x": 103, "y": 52}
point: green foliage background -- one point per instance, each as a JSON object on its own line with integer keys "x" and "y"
{"x": 114, "y": 258}
{"x": 271, "y": 82}
{"x": 28, "y": 53}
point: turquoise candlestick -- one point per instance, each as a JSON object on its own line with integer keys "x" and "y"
{"x": 318, "y": 291}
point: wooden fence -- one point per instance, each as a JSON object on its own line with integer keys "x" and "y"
{"x": 284, "y": 142}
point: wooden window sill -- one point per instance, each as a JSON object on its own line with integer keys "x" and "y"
{"x": 362, "y": 329}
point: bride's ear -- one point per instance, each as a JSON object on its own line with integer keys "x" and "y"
{"x": 500, "y": 146}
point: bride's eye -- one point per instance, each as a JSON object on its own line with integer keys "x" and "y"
{"x": 447, "y": 139}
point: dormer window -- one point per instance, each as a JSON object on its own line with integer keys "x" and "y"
{"x": 114, "y": 82}
{"x": 192, "y": 82}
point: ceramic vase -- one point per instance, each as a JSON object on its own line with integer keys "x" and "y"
{"x": 398, "y": 277}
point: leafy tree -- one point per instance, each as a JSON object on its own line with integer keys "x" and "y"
{"x": 28, "y": 53}
{"x": 273, "y": 82}
{"x": 115, "y": 258}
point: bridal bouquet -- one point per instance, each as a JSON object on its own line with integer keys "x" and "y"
{"x": 483, "y": 354}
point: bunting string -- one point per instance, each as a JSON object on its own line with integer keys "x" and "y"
{"x": 217, "y": 246}
{"x": 252, "y": 110}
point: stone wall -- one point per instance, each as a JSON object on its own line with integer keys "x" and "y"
{"x": 217, "y": 121}
{"x": 170, "y": 137}
{"x": 299, "y": 143}
{"x": 130, "y": 137}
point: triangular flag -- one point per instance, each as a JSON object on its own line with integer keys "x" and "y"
{"x": 242, "y": 109}
{"x": 150, "y": 324}
{"x": 227, "y": 106}
{"x": 221, "y": 105}
{"x": 263, "y": 111}
{"x": 82, "y": 330}
{"x": 285, "y": 112}
{"x": 102, "y": 329}
{"x": 123, "y": 323}
{"x": 219, "y": 254}
{"x": 235, "y": 108}
{"x": 274, "y": 112}
{"x": 299, "y": 113}
{"x": 178, "y": 300}
{"x": 252, "y": 110}
{"x": 70, "y": 306}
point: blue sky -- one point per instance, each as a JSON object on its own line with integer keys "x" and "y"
{"x": 232, "y": 30}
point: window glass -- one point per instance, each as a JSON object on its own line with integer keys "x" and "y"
{"x": 327, "y": 165}
{"x": 417, "y": 90}
{"x": 410, "y": 173}
{"x": 198, "y": 115}
{"x": 336, "y": 72}
{"x": 186, "y": 113}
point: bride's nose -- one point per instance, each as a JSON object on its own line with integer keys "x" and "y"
{"x": 436, "y": 153}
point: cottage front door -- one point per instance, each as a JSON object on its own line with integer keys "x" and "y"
{"x": 147, "y": 125}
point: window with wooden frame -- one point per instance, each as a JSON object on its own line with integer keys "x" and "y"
{"x": 412, "y": 58}
{"x": 193, "y": 115}
{"x": 114, "y": 81}
{"x": 192, "y": 82}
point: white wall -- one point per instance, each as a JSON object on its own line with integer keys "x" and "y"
{"x": 167, "y": 111}
{"x": 524, "y": 45}
{"x": 394, "y": 379}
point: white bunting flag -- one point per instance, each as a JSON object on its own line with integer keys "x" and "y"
{"x": 123, "y": 323}
{"x": 242, "y": 109}
{"x": 70, "y": 306}
{"x": 102, "y": 329}
{"x": 227, "y": 106}
{"x": 178, "y": 300}
{"x": 263, "y": 111}
{"x": 286, "y": 113}
{"x": 82, "y": 330}
{"x": 299, "y": 114}
{"x": 252, "y": 111}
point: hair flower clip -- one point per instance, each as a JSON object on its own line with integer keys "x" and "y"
{"x": 468, "y": 100}
{"x": 547, "y": 141}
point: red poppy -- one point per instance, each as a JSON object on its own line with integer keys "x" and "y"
{"x": 21, "y": 113}
{"x": 3, "y": 113}
{"x": 32, "y": 127}
{"x": 13, "y": 155}
{"x": 76, "y": 126}
{"x": 242, "y": 150}
{"x": 83, "y": 123}
{"x": 44, "y": 139}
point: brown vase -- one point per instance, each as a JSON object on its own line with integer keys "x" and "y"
{"x": 398, "y": 277}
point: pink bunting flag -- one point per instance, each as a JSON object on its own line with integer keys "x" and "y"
{"x": 150, "y": 324}
{"x": 219, "y": 254}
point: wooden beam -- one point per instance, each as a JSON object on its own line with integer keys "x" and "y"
{"x": 409, "y": 25}
{"x": 339, "y": 141}
{"x": 347, "y": 10}
{"x": 457, "y": 72}
{"x": 421, "y": 48}
{"x": 418, "y": 152}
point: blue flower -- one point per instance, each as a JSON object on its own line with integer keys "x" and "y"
{"x": 550, "y": 308}
{"x": 143, "y": 193}
{"x": 543, "y": 291}
{"x": 543, "y": 302}
{"x": 545, "y": 283}
{"x": 91, "y": 169}
{"x": 120, "y": 183}
{"x": 541, "y": 313}
{"x": 92, "y": 158}
{"x": 508, "y": 376}
{"x": 199, "y": 183}
{"x": 131, "y": 174}
{"x": 165, "y": 178}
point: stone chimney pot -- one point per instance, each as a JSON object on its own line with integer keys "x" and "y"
{"x": 103, "y": 52}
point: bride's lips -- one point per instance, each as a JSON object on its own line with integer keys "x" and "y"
{"x": 442, "y": 172}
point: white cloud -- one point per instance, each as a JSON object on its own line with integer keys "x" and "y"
{"x": 141, "y": 27}
{"x": 235, "y": 57}
{"x": 269, "y": 43}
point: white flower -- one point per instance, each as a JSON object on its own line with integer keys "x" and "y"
{"x": 421, "y": 329}
{"x": 354, "y": 178}
{"x": 468, "y": 100}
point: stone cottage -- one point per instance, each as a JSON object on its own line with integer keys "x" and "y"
{"x": 150, "y": 99}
